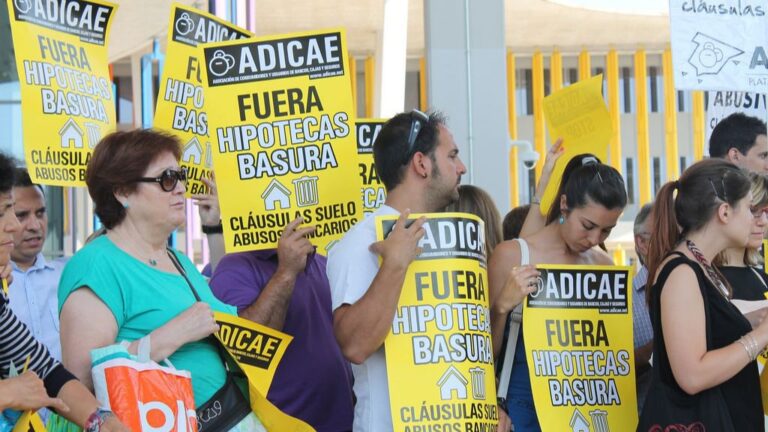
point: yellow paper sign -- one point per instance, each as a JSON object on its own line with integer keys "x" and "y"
{"x": 30, "y": 421}
{"x": 577, "y": 114}
{"x": 373, "y": 192}
{"x": 283, "y": 137}
{"x": 439, "y": 353}
{"x": 67, "y": 100}
{"x": 578, "y": 339}
{"x": 181, "y": 107}
{"x": 257, "y": 350}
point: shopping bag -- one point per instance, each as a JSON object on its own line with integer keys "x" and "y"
{"x": 143, "y": 394}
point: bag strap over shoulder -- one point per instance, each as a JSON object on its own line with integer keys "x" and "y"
{"x": 180, "y": 268}
{"x": 525, "y": 252}
{"x": 515, "y": 319}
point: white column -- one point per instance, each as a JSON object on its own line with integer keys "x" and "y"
{"x": 389, "y": 87}
{"x": 466, "y": 80}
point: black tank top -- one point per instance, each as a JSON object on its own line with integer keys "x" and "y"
{"x": 727, "y": 325}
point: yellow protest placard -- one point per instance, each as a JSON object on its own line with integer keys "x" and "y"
{"x": 372, "y": 193}
{"x": 30, "y": 421}
{"x": 439, "y": 353}
{"x": 284, "y": 144}
{"x": 181, "y": 107}
{"x": 578, "y": 339}
{"x": 257, "y": 350}
{"x": 577, "y": 114}
{"x": 67, "y": 100}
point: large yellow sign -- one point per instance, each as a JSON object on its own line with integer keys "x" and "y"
{"x": 257, "y": 350}
{"x": 181, "y": 107}
{"x": 578, "y": 338}
{"x": 372, "y": 193}
{"x": 578, "y": 115}
{"x": 282, "y": 136}
{"x": 439, "y": 353}
{"x": 66, "y": 93}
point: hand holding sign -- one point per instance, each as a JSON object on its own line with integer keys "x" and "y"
{"x": 294, "y": 247}
{"x": 401, "y": 245}
{"x": 27, "y": 392}
{"x": 521, "y": 282}
{"x": 208, "y": 203}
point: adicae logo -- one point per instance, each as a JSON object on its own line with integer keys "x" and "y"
{"x": 539, "y": 287}
{"x": 22, "y": 6}
{"x": 184, "y": 24}
{"x": 221, "y": 63}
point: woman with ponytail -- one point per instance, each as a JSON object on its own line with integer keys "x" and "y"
{"x": 705, "y": 374}
{"x": 591, "y": 197}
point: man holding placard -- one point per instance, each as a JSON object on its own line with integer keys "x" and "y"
{"x": 417, "y": 160}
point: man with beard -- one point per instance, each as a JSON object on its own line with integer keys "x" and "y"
{"x": 417, "y": 159}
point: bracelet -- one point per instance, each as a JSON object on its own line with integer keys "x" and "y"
{"x": 97, "y": 419}
{"x": 746, "y": 348}
{"x": 755, "y": 346}
{"x": 213, "y": 229}
{"x": 750, "y": 346}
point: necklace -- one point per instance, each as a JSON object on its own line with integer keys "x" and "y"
{"x": 713, "y": 275}
{"x": 152, "y": 262}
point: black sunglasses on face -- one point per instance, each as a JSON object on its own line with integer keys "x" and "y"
{"x": 168, "y": 179}
{"x": 418, "y": 120}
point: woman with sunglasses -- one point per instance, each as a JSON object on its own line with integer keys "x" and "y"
{"x": 127, "y": 284}
{"x": 741, "y": 265}
{"x": 591, "y": 197}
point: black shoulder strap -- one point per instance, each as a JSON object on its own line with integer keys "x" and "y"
{"x": 181, "y": 270}
{"x": 701, "y": 282}
{"x": 212, "y": 339}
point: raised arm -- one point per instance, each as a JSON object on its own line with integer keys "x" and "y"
{"x": 210, "y": 216}
{"x": 535, "y": 221}
{"x": 271, "y": 306}
{"x": 360, "y": 328}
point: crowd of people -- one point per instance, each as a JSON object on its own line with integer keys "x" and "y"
{"x": 698, "y": 246}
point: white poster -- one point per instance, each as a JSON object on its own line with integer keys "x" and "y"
{"x": 720, "y": 45}
{"x": 721, "y": 104}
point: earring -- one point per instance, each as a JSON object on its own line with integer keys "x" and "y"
{"x": 561, "y": 220}
{"x": 126, "y": 205}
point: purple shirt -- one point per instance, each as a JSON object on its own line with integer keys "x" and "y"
{"x": 313, "y": 381}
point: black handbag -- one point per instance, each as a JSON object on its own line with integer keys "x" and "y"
{"x": 228, "y": 406}
{"x": 669, "y": 409}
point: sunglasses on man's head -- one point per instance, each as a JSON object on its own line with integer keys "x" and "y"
{"x": 168, "y": 179}
{"x": 418, "y": 120}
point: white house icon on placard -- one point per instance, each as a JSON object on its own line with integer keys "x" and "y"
{"x": 71, "y": 135}
{"x": 579, "y": 423}
{"x": 452, "y": 381}
{"x": 192, "y": 151}
{"x": 276, "y": 193}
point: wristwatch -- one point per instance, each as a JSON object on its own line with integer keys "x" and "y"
{"x": 213, "y": 229}
{"x": 96, "y": 419}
